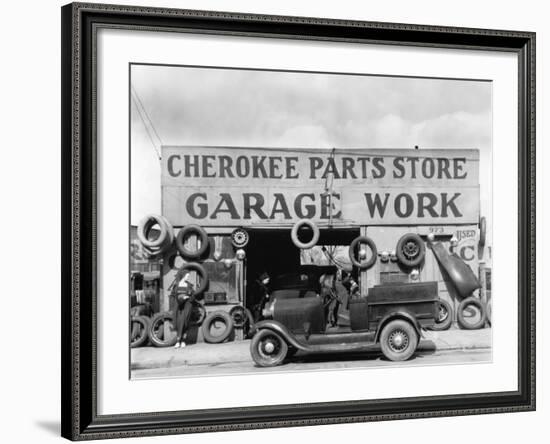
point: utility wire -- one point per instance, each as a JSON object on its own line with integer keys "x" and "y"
{"x": 147, "y": 115}
{"x": 157, "y": 152}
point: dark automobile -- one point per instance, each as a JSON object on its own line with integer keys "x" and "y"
{"x": 392, "y": 315}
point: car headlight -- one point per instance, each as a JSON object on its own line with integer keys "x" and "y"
{"x": 269, "y": 310}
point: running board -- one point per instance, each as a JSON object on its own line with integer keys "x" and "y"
{"x": 336, "y": 342}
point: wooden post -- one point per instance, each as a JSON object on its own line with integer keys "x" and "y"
{"x": 363, "y": 283}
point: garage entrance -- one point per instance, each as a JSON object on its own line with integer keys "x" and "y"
{"x": 272, "y": 251}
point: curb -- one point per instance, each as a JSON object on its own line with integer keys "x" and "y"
{"x": 234, "y": 353}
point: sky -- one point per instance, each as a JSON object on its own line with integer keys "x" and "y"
{"x": 232, "y": 107}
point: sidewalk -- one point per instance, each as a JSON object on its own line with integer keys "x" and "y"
{"x": 238, "y": 351}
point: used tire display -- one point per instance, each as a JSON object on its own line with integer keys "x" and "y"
{"x": 357, "y": 242}
{"x": 217, "y": 327}
{"x": 410, "y": 250}
{"x": 202, "y": 238}
{"x": 241, "y": 316}
{"x": 444, "y": 317}
{"x": 198, "y": 314}
{"x": 268, "y": 349}
{"x": 314, "y": 238}
{"x": 201, "y": 271}
{"x": 398, "y": 340}
{"x": 463, "y": 321}
{"x": 139, "y": 331}
{"x": 165, "y": 239}
{"x": 161, "y": 335}
{"x": 239, "y": 238}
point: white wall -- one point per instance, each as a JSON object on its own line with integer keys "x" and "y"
{"x": 29, "y": 175}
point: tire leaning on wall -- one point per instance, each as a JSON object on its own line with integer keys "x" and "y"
{"x": 157, "y": 322}
{"x": 462, "y": 322}
{"x": 225, "y": 318}
{"x": 141, "y": 322}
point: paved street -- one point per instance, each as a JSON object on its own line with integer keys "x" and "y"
{"x": 317, "y": 363}
{"x": 450, "y": 347}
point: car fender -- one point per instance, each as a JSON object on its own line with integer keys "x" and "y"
{"x": 398, "y": 314}
{"x": 281, "y": 330}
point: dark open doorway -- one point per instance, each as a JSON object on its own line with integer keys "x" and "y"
{"x": 271, "y": 252}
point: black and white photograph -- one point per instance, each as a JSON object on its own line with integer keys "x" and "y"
{"x": 295, "y": 221}
{"x": 275, "y": 221}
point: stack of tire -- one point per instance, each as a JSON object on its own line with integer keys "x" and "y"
{"x": 410, "y": 251}
{"x": 162, "y": 326}
{"x": 157, "y": 246}
{"x": 140, "y": 317}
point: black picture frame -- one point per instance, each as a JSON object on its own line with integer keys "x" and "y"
{"x": 79, "y": 170}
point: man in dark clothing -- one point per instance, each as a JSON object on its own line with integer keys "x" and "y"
{"x": 263, "y": 295}
{"x": 330, "y": 298}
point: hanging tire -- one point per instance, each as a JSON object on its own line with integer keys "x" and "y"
{"x": 157, "y": 332}
{"x": 268, "y": 349}
{"x": 482, "y": 231}
{"x": 444, "y": 317}
{"x": 139, "y": 328}
{"x": 182, "y": 236}
{"x": 201, "y": 271}
{"x": 198, "y": 315}
{"x": 358, "y": 263}
{"x": 398, "y": 340}
{"x": 239, "y": 238}
{"x": 314, "y": 238}
{"x": 410, "y": 250}
{"x": 159, "y": 245}
{"x": 462, "y": 320}
{"x": 213, "y": 320}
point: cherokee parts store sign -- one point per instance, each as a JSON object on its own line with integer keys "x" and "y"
{"x": 217, "y": 186}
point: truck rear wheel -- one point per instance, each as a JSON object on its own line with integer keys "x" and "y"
{"x": 398, "y": 340}
{"x": 268, "y": 349}
{"x": 444, "y": 317}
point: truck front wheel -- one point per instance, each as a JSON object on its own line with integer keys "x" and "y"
{"x": 398, "y": 340}
{"x": 268, "y": 349}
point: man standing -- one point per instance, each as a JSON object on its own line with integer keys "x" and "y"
{"x": 184, "y": 294}
{"x": 263, "y": 294}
